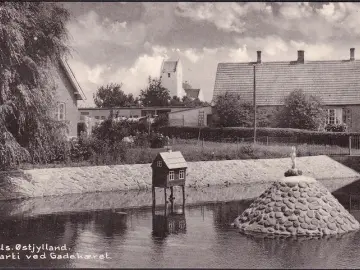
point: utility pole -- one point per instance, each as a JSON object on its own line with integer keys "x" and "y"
{"x": 254, "y": 104}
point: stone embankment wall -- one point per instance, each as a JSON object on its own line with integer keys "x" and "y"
{"x": 60, "y": 181}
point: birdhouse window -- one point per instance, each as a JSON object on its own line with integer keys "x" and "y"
{"x": 168, "y": 75}
{"x": 181, "y": 174}
{"x": 171, "y": 175}
{"x": 159, "y": 163}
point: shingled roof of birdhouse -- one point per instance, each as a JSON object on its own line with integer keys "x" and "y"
{"x": 173, "y": 160}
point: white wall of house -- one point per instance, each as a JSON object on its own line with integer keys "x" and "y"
{"x": 67, "y": 109}
{"x": 189, "y": 117}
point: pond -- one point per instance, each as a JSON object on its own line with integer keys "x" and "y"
{"x": 201, "y": 236}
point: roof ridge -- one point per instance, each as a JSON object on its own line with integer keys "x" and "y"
{"x": 293, "y": 61}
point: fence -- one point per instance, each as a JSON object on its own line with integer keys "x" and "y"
{"x": 329, "y": 146}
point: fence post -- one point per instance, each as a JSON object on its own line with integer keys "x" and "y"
{"x": 350, "y": 145}
{"x": 267, "y": 140}
{"x": 203, "y": 143}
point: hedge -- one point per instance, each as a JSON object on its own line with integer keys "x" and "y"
{"x": 235, "y": 134}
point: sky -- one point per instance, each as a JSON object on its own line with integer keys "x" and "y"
{"x": 126, "y": 42}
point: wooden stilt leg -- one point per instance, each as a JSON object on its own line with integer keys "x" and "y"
{"x": 165, "y": 200}
{"x": 183, "y": 192}
{"x": 154, "y": 200}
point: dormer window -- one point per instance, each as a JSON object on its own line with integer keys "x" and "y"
{"x": 159, "y": 163}
{"x": 168, "y": 75}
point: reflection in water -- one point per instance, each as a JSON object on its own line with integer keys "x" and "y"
{"x": 200, "y": 236}
{"x": 168, "y": 222}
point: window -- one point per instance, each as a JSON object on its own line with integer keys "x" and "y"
{"x": 168, "y": 75}
{"x": 347, "y": 117}
{"x": 159, "y": 163}
{"x": 84, "y": 113}
{"x": 171, "y": 175}
{"x": 103, "y": 117}
{"x": 135, "y": 116}
{"x": 97, "y": 117}
{"x": 181, "y": 174}
{"x": 60, "y": 111}
{"x": 334, "y": 116}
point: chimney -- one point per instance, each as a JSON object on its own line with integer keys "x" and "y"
{"x": 352, "y": 54}
{"x": 258, "y": 56}
{"x": 301, "y": 57}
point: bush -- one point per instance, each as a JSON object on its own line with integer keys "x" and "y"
{"x": 157, "y": 140}
{"x": 234, "y": 134}
{"x": 336, "y": 127}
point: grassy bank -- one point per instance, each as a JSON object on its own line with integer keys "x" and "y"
{"x": 194, "y": 150}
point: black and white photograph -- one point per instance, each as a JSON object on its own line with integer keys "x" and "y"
{"x": 179, "y": 135}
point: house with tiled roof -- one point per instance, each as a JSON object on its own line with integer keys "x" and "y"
{"x": 335, "y": 82}
{"x": 68, "y": 93}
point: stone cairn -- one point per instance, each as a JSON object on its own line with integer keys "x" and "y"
{"x": 296, "y": 206}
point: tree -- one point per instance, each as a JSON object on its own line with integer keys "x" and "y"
{"x": 32, "y": 40}
{"x": 301, "y": 111}
{"x": 175, "y": 101}
{"x": 155, "y": 94}
{"x": 112, "y": 95}
{"x": 232, "y": 112}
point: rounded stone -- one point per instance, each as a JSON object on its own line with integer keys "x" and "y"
{"x": 303, "y": 195}
{"x": 292, "y": 200}
{"x": 339, "y": 220}
{"x": 272, "y": 222}
{"x": 268, "y": 210}
{"x": 304, "y": 225}
{"x": 271, "y": 230}
{"x": 296, "y": 194}
{"x": 345, "y": 227}
{"x": 301, "y": 219}
{"x": 291, "y": 230}
{"x": 288, "y": 223}
{"x": 314, "y": 206}
{"x": 312, "y": 227}
{"x": 296, "y": 224}
{"x": 283, "y": 208}
{"x": 300, "y": 206}
{"x": 331, "y": 219}
{"x": 314, "y": 222}
{"x": 318, "y": 216}
{"x": 297, "y": 212}
{"x": 282, "y": 220}
{"x": 307, "y": 219}
{"x": 311, "y": 199}
{"x": 302, "y": 201}
{"x": 310, "y": 213}
{"x": 332, "y": 204}
{"x": 303, "y": 185}
{"x": 333, "y": 213}
{"x": 285, "y": 189}
{"x": 288, "y": 213}
{"x": 284, "y": 195}
{"x": 292, "y": 184}
{"x": 279, "y": 204}
{"x": 261, "y": 207}
{"x": 319, "y": 195}
{"x": 331, "y": 226}
{"x": 292, "y": 218}
{"x": 279, "y": 214}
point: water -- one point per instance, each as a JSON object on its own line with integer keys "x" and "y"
{"x": 201, "y": 237}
